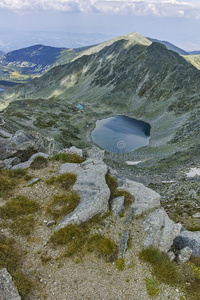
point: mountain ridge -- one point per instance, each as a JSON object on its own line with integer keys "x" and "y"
{"x": 147, "y": 82}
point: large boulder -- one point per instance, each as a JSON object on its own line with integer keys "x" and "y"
{"x": 92, "y": 188}
{"x": 145, "y": 198}
{"x": 189, "y": 239}
{"x": 8, "y": 290}
{"x": 23, "y": 144}
{"x": 161, "y": 230}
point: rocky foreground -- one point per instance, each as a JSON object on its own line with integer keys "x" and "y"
{"x": 134, "y": 225}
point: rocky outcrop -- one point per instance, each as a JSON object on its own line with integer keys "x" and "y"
{"x": 91, "y": 186}
{"x": 145, "y": 198}
{"x": 23, "y": 144}
{"x": 161, "y": 230}
{"x": 189, "y": 239}
{"x": 27, "y": 163}
{"x": 8, "y": 290}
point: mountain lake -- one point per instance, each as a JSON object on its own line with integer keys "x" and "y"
{"x": 120, "y": 134}
{"x": 1, "y": 90}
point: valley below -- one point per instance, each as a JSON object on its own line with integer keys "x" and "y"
{"x": 127, "y": 76}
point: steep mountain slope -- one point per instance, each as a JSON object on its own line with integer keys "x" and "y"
{"x": 23, "y": 64}
{"x": 194, "y": 60}
{"x": 170, "y": 46}
{"x": 139, "y": 79}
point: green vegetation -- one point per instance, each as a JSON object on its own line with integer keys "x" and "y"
{"x": 152, "y": 287}
{"x": 18, "y": 206}
{"x": 67, "y": 180}
{"x": 120, "y": 264}
{"x": 112, "y": 184}
{"x": 67, "y": 158}
{"x": 61, "y": 205}
{"x": 45, "y": 259}
{"x": 9, "y": 179}
{"x": 164, "y": 269}
{"x": 128, "y": 198}
{"x": 39, "y": 162}
{"x": 104, "y": 246}
{"x": 23, "y": 226}
{"x": 10, "y": 258}
{"x": 77, "y": 239}
{"x": 186, "y": 277}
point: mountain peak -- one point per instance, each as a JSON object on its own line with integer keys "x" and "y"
{"x": 132, "y": 38}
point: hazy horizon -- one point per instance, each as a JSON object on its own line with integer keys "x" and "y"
{"x": 59, "y": 22}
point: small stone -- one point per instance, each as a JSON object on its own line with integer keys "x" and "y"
{"x": 196, "y": 216}
{"x": 171, "y": 255}
{"x": 32, "y": 181}
{"x": 51, "y": 223}
{"x": 184, "y": 255}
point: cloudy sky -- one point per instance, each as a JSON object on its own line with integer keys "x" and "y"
{"x": 177, "y": 21}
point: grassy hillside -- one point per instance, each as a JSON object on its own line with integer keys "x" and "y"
{"x": 25, "y": 64}
{"x": 194, "y": 60}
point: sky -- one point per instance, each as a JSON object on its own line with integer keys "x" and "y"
{"x": 30, "y": 21}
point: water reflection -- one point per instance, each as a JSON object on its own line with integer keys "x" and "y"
{"x": 120, "y": 134}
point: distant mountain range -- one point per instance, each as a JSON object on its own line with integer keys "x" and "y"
{"x": 1, "y": 53}
{"x": 24, "y": 64}
{"x": 170, "y": 46}
{"x": 127, "y": 75}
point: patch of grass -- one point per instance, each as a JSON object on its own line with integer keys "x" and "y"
{"x": 39, "y": 162}
{"x": 120, "y": 264}
{"x": 73, "y": 236}
{"x": 10, "y": 258}
{"x": 61, "y": 205}
{"x": 67, "y": 158}
{"x": 104, "y": 246}
{"x": 152, "y": 287}
{"x": 23, "y": 226}
{"x": 18, "y": 206}
{"x": 77, "y": 239}
{"x": 165, "y": 270}
{"x": 66, "y": 180}
{"x": 9, "y": 179}
{"x": 128, "y": 198}
{"x": 112, "y": 184}
{"x": 45, "y": 259}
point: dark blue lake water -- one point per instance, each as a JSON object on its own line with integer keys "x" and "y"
{"x": 120, "y": 134}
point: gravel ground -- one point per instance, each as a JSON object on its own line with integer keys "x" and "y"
{"x": 90, "y": 277}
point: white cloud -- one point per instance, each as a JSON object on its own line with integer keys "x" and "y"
{"x": 161, "y": 8}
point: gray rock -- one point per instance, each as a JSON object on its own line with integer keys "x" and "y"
{"x": 117, "y": 205}
{"x": 27, "y": 163}
{"x": 72, "y": 150}
{"x": 92, "y": 188}
{"x": 51, "y": 223}
{"x": 171, "y": 255}
{"x": 161, "y": 230}
{"x": 95, "y": 153}
{"x": 2, "y": 165}
{"x": 22, "y": 144}
{"x": 184, "y": 255}
{"x": 145, "y": 198}
{"x": 189, "y": 239}
{"x": 7, "y": 287}
{"x": 124, "y": 243}
{"x": 32, "y": 181}
{"x": 196, "y": 216}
